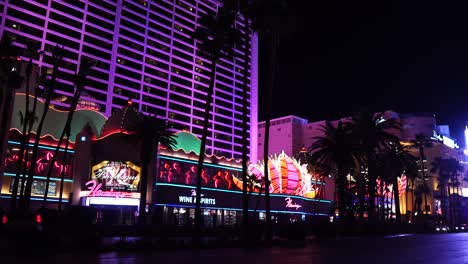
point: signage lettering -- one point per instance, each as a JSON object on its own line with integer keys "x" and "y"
{"x": 123, "y": 176}
{"x": 193, "y": 199}
{"x": 95, "y": 190}
{"x": 290, "y": 204}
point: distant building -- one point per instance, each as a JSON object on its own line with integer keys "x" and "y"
{"x": 293, "y": 135}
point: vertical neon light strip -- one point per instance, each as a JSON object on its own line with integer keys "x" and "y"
{"x": 466, "y": 140}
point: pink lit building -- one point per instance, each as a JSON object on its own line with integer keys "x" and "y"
{"x": 144, "y": 52}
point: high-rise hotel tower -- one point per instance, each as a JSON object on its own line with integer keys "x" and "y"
{"x": 144, "y": 52}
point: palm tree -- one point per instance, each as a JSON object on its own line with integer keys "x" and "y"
{"x": 151, "y": 133}
{"x": 267, "y": 18}
{"x": 27, "y": 120}
{"x": 335, "y": 149}
{"x": 411, "y": 173}
{"x": 447, "y": 169}
{"x": 420, "y": 142}
{"x": 48, "y": 92}
{"x": 10, "y": 80}
{"x": 80, "y": 81}
{"x": 370, "y": 132}
{"x": 395, "y": 160}
{"x": 215, "y": 36}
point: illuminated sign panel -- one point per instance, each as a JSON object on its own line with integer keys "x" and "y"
{"x": 465, "y": 192}
{"x": 95, "y": 190}
{"x": 192, "y": 198}
{"x": 116, "y": 176}
{"x": 448, "y": 142}
{"x": 169, "y": 194}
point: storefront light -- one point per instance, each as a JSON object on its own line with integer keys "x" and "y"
{"x": 113, "y": 201}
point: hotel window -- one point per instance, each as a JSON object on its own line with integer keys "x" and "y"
{"x": 24, "y": 28}
{"x": 183, "y": 46}
{"x": 155, "y": 81}
{"x": 156, "y": 72}
{"x": 104, "y": 4}
{"x": 96, "y": 52}
{"x": 101, "y": 13}
{"x": 127, "y": 83}
{"x": 155, "y": 91}
{"x": 30, "y": 7}
{"x": 182, "y": 55}
{"x": 98, "y": 42}
{"x": 128, "y": 63}
{"x": 100, "y": 22}
{"x": 119, "y": 101}
{"x": 25, "y": 17}
{"x": 128, "y": 73}
{"x": 99, "y": 32}
{"x": 98, "y": 85}
{"x": 179, "y": 104}
{"x": 67, "y": 10}
{"x": 154, "y": 101}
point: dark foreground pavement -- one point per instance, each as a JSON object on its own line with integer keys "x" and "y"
{"x": 421, "y": 248}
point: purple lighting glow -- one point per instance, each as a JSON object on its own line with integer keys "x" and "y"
{"x": 145, "y": 53}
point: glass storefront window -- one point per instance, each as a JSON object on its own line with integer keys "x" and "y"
{"x": 230, "y": 217}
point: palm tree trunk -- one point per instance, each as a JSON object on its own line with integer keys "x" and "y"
{"x": 27, "y": 190}
{"x": 209, "y": 100}
{"x": 360, "y": 186}
{"x": 372, "y": 185}
{"x": 49, "y": 92}
{"x": 341, "y": 196}
{"x": 423, "y": 175}
{"x": 396, "y": 199}
{"x": 62, "y": 170}
{"x": 67, "y": 127}
{"x": 30, "y": 126}
{"x": 442, "y": 200}
{"x": 273, "y": 40}
{"x": 28, "y": 115}
{"x": 450, "y": 222}
{"x": 20, "y": 172}
{"x": 145, "y": 162}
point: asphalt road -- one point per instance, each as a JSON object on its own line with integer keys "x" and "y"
{"x": 449, "y": 248}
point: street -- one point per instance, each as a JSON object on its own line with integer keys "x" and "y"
{"x": 420, "y": 248}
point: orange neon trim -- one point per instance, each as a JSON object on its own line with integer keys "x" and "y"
{"x": 62, "y": 111}
{"x": 42, "y": 137}
{"x": 112, "y": 133}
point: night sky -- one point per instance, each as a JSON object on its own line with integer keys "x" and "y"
{"x": 407, "y": 56}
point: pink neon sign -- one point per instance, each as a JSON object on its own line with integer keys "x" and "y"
{"x": 291, "y": 204}
{"x": 95, "y": 190}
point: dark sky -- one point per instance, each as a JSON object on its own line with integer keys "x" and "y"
{"x": 407, "y": 56}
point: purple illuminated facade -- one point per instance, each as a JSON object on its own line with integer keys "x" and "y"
{"x": 144, "y": 52}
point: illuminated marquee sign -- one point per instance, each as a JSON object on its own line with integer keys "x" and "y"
{"x": 116, "y": 175}
{"x": 95, "y": 191}
{"x": 192, "y": 198}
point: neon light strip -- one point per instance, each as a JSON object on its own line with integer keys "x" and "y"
{"x": 38, "y": 177}
{"x": 112, "y": 201}
{"x": 41, "y": 146}
{"x": 195, "y": 162}
{"x": 236, "y": 209}
{"x": 466, "y": 140}
{"x": 36, "y": 199}
{"x": 240, "y": 192}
